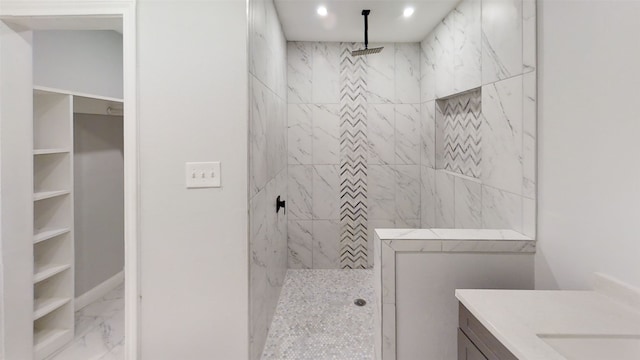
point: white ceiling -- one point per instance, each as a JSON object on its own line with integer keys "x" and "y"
{"x": 345, "y": 22}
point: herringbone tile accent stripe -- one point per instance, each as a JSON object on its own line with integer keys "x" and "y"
{"x": 462, "y": 137}
{"x": 353, "y": 160}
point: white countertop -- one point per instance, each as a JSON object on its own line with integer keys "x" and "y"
{"x": 517, "y": 317}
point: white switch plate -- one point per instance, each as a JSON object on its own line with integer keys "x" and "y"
{"x": 202, "y": 174}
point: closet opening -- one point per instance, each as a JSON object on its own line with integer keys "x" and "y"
{"x": 70, "y": 287}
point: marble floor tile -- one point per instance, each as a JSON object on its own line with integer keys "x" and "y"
{"x": 99, "y": 330}
{"x": 316, "y": 317}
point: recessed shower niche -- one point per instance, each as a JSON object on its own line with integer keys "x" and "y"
{"x": 458, "y": 133}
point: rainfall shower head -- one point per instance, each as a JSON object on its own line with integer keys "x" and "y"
{"x": 366, "y": 50}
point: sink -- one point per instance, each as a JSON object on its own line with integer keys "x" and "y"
{"x": 595, "y": 347}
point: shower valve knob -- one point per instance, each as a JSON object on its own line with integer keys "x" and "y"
{"x": 280, "y": 204}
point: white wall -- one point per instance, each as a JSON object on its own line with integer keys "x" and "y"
{"x": 193, "y": 106}
{"x": 98, "y": 196}
{"x": 16, "y": 192}
{"x": 589, "y": 153}
{"x": 83, "y": 61}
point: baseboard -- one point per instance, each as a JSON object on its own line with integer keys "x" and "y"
{"x": 99, "y": 291}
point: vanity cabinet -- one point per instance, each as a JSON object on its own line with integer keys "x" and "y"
{"x": 475, "y": 342}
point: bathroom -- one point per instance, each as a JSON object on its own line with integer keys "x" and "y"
{"x": 465, "y": 154}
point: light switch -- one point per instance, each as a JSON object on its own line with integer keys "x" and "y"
{"x": 202, "y": 174}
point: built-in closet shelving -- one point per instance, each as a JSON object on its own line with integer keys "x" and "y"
{"x": 53, "y": 318}
{"x": 53, "y": 244}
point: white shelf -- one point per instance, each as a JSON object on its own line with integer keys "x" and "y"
{"x": 44, "y": 338}
{"x": 50, "y": 151}
{"x": 49, "y": 90}
{"x": 46, "y": 306}
{"x": 49, "y": 194}
{"x": 48, "y": 234}
{"x": 45, "y": 271}
{"x": 53, "y": 286}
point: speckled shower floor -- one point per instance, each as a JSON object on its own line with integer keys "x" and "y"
{"x": 316, "y": 317}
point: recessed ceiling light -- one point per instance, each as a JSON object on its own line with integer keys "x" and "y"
{"x": 408, "y": 11}
{"x": 322, "y": 11}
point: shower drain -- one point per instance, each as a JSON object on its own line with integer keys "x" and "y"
{"x": 360, "y": 302}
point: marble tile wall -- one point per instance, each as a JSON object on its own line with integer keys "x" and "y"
{"x": 268, "y": 175}
{"x": 491, "y": 45}
{"x": 394, "y": 136}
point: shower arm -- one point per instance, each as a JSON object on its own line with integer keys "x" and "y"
{"x": 366, "y": 28}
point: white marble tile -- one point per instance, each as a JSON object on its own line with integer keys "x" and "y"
{"x": 502, "y": 135}
{"x": 326, "y": 244}
{"x": 407, "y": 134}
{"x": 444, "y": 47}
{"x": 99, "y": 330}
{"x": 529, "y": 217}
{"x": 381, "y": 186}
{"x": 407, "y": 234}
{"x": 439, "y": 134}
{"x": 389, "y": 332}
{"x": 468, "y": 49}
{"x": 489, "y": 246}
{"x": 407, "y": 73}
{"x": 258, "y": 136}
{"x": 299, "y": 72}
{"x": 267, "y": 56}
{"x": 388, "y": 258}
{"x": 299, "y": 134}
{"x": 300, "y": 244}
{"x": 529, "y": 35}
{"x": 381, "y": 209}
{"x": 445, "y": 188}
{"x": 117, "y": 353}
{"x": 381, "y": 182}
{"x": 106, "y": 307}
{"x": 468, "y": 203}
{"x": 277, "y": 247}
{"x": 280, "y": 57}
{"x": 326, "y": 192}
{"x": 326, "y": 73}
{"x": 372, "y": 225}
{"x": 381, "y": 75}
{"x": 529, "y": 133}
{"x": 407, "y": 223}
{"x": 428, "y": 134}
{"x": 259, "y": 228}
{"x": 326, "y": 134}
{"x": 258, "y": 270}
{"x": 479, "y": 234}
{"x": 415, "y": 245}
{"x": 276, "y": 134}
{"x": 381, "y": 133}
{"x": 258, "y": 39}
{"x": 300, "y": 192}
{"x": 408, "y": 192}
{"x": 501, "y": 209}
{"x": 427, "y": 197}
{"x": 428, "y": 68}
{"x": 501, "y": 39}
